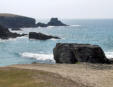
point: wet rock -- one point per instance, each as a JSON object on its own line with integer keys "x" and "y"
{"x": 40, "y": 36}
{"x": 6, "y": 34}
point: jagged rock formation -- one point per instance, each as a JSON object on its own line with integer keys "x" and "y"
{"x": 55, "y": 22}
{"x": 40, "y": 36}
{"x": 71, "y": 53}
{"x": 52, "y": 22}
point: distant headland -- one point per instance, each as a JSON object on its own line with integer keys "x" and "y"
{"x": 18, "y": 21}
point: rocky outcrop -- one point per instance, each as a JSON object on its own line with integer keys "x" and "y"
{"x": 6, "y": 34}
{"x": 16, "y": 21}
{"x": 16, "y": 29}
{"x": 52, "y": 22}
{"x": 71, "y": 53}
{"x": 40, "y": 36}
{"x": 55, "y": 22}
{"x": 41, "y": 25}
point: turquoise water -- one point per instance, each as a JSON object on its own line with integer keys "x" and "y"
{"x": 25, "y": 51}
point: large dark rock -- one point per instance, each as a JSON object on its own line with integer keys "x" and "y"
{"x": 55, "y": 22}
{"x": 6, "y": 34}
{"x": 71, "y": 53}
{"x": 40, "y": 36}
{"x": 16, "y": 21}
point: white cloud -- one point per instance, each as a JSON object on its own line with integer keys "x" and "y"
{"x": 59, "y": 8}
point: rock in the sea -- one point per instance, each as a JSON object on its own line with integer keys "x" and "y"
{"x": 71, "y": 53}
{"x": 16, "y": 21}
{"x": 41, "y": 25}
{"x": 55, "y": 22}
{"x": 40, "y": 36}
{"x": 6, "y": 34}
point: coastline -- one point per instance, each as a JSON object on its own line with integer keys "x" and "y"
{"x": 84, "y": 74}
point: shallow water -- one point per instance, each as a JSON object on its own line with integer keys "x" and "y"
{"x": 25, "y": 51}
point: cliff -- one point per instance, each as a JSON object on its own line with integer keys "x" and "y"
{"x": 16, "y": 21}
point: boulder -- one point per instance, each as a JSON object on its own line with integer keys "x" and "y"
{"x": 6, "y": 34}
{"x": 71, "y": 53}
{"x": 40, "y": 36}
{"x": 55, "y": 22}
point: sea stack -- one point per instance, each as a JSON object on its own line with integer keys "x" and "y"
{"x": 55, "y": 22}
{"x": 16, "y": 21}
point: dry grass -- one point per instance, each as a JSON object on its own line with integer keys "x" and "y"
{"x": 8, "y": 15}
{"x": 86, "y": 75}
{"x": 13, "y": 77}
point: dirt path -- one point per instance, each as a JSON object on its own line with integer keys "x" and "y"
{"x": 90, "y": 75}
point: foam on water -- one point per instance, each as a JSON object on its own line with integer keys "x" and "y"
{"x": 75, "y": 25}
{"x": 13, "y": 39}
{"x": 10, "y": 39}
{"x": 48, "y": 58}
{"x": 109, "y": 54}
{"x": 41, "y": 58}
{"x": 50, "y": 26}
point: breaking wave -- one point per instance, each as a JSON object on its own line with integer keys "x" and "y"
{"x": 41, "y": 58}
{"x": 109, "y": 54}
{"x": 75, "y": 25}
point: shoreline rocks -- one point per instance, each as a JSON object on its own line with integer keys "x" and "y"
{"x": 6, "y": 34}
{"x": 72, "y": 53}
{"x": 40, "y": 36}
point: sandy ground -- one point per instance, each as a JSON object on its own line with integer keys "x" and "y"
{"x": 89, "y": 75}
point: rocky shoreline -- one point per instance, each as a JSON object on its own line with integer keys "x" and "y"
{"x": 69, "y": 53}
{"x": 6, "y": 34}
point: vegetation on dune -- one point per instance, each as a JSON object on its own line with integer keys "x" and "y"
{"x": 12, "y": 77}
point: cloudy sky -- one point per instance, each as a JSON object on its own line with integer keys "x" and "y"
{"x": 59, "y": 8}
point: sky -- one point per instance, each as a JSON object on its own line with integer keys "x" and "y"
{"x": 70, "y": 9}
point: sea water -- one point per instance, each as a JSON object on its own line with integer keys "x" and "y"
{"x": 24, "y": 51}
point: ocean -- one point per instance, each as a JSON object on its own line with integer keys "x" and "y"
{"x": 24, "y": 51}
